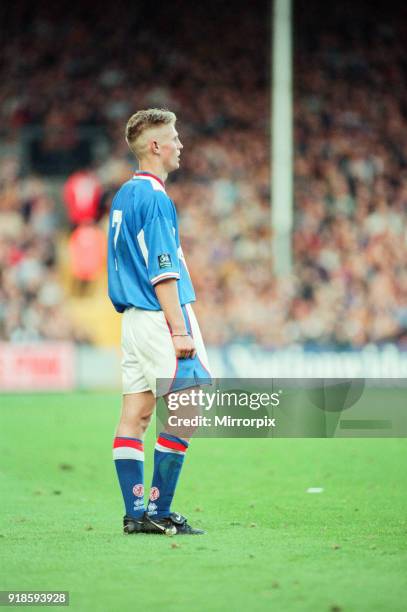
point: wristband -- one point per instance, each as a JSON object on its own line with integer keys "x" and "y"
{"x": 181, "y": 335}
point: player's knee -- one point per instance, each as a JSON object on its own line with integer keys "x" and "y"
{"x": 145, "y": 420}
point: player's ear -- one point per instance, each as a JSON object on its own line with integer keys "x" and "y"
{"x": 155, "y": 147}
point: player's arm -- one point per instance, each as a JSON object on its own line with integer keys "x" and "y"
{"x": 163, "y": 270}
{"x": 167, "y": 295}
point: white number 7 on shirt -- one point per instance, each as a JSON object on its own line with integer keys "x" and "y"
{"x": 116, "y": 221}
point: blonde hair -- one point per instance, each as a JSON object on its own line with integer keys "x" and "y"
{"x": 142, "y": 121}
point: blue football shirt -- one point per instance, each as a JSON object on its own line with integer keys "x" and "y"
{"x": 144, "y": 246}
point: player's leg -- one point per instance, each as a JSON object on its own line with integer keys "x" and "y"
{"x": 128, "y": 450}
{"x": 137, "y": 408}
{"x": 169, "y": 455}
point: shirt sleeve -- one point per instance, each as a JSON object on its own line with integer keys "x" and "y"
{"x": 161, "y": 249}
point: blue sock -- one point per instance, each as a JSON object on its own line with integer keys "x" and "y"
{"x": 169, "y": 456}
{"x": 128, "y": 455}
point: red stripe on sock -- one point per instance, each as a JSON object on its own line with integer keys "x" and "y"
{"x": 171, "y": 444}
{"x": 119, "y": 442}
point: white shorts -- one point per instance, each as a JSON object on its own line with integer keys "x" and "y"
{"x": 149, "y": 355}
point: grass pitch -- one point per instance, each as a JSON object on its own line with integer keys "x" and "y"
{"x": 270, "y": 545}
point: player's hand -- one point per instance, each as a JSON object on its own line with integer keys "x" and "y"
{"x": 184, "y": 347}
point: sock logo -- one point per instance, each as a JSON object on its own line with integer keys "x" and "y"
{"x": 154, "y": 493}
{"x": 152, "y": 508}
{"x": 138, "y": 490}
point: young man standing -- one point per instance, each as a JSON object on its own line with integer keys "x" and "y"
{"x": 150, "y": 284}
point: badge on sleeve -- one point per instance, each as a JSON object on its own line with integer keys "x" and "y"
{"x": 164, "y": 260}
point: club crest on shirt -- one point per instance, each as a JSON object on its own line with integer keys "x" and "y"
{"x": 164, "y": 260}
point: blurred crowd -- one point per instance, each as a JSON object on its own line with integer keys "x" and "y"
{"x": 94, "y": 68}
{"x": 31, "y": 298}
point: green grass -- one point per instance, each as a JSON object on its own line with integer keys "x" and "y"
{"x": 269, "y": 544}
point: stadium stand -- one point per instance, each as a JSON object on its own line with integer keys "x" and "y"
{"x": 67, "y": 88}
